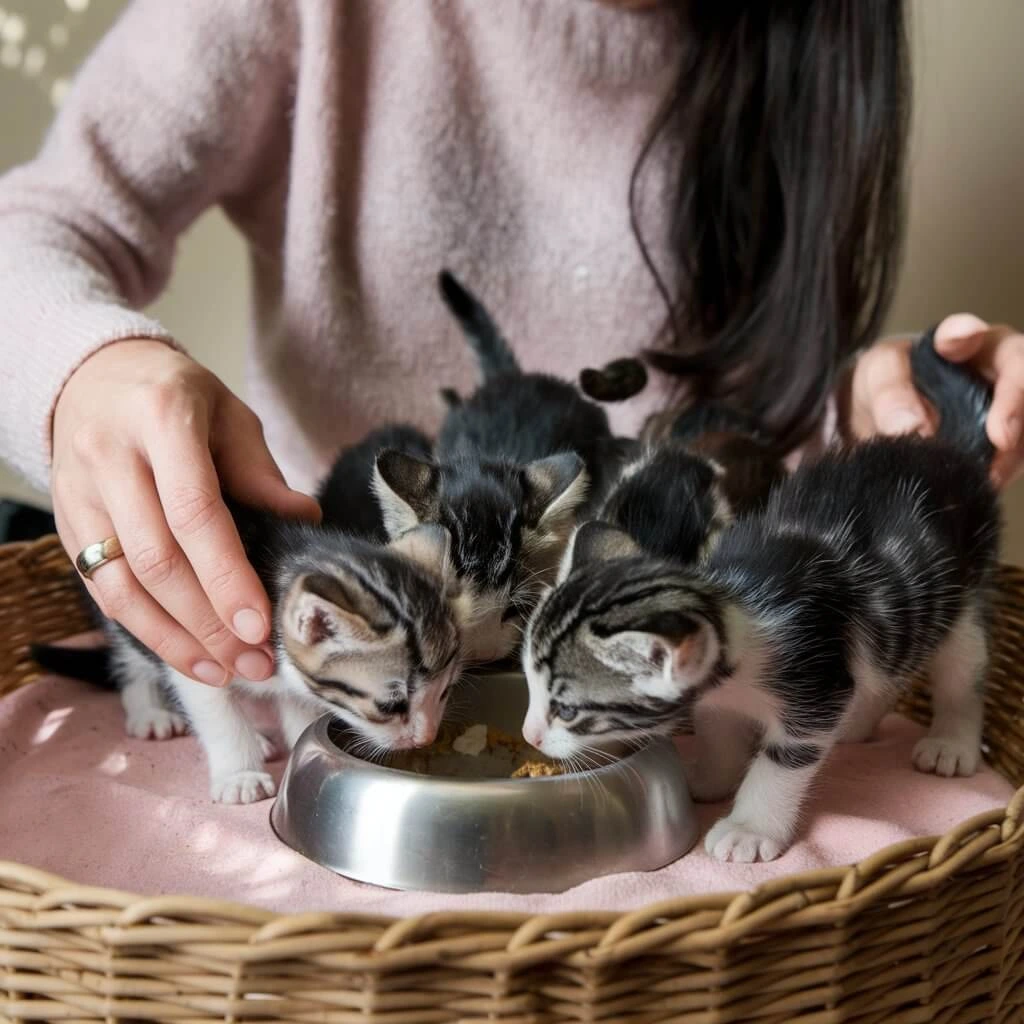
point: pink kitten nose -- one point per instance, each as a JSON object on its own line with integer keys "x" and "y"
{"x": 534, "y": 733}
{"x": 426, "y": 723}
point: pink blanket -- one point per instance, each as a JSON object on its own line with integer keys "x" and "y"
{"x": 80, "y": 799}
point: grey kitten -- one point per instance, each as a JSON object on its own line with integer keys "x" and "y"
{"x": 864, "y": 569}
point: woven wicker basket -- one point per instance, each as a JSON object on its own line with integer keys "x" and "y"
{"x": 928, "y": 930}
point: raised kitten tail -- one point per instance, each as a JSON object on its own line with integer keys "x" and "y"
{"x": 496, "y": 358}
{"x": 960, "y": 398}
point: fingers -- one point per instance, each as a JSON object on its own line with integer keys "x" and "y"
{"x": 997, "y": 352}
{"x": 960, "y": 336}
{"x": 248, "y": 470}
{"x": 158, "y": 563}
{"x": 120, "y": 597}
{"x": 190, "y": 494}
{"x": 1007, "y": 413}
{"x": 884, "y": 393}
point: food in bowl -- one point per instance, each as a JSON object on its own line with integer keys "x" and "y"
{"x": 477, "y": 751}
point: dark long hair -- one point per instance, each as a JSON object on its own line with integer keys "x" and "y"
{"x": 790, "y": 119}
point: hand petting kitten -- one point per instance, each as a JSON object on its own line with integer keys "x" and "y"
{"x": 880, "y": 397}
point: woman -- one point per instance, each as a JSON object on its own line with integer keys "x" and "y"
{"x": 360, "y": 146}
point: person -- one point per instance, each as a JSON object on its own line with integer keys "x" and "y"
{"x": 715, "y": 178}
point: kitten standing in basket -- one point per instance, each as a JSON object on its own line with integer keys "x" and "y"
{"x": 864, "y": 569}
{"x": 366, "y": 632}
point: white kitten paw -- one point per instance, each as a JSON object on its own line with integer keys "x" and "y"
{"x": 244, "y": 787}
{"x": 947, "y": 757}
{"x": 155, "y": 724}
{"x": 730, "y": 841}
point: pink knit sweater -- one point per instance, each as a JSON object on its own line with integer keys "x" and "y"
{"x": 359, "y": 146}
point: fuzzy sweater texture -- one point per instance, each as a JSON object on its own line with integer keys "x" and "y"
{"x": 358, "y": 147}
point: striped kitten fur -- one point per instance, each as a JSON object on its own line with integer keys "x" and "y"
{"x": 365, "y": 632}
{"x": 806, "y": 621}
{"x": 513, "y": 464}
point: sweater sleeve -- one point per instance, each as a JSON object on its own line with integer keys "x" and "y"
{"x": 167, "y": 117}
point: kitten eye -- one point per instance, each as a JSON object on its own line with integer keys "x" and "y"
{"x": 397, "y": 706}
{"x": 565, "y": 713}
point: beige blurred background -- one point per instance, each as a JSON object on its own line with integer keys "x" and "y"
{"x": 967, "y": 175}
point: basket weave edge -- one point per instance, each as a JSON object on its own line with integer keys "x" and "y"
{"x": 696, "y": 923}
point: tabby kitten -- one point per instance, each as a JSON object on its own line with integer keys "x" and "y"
{"x": 864, "y": 568}
{"x": 511, "y": 468}
{"x": 364, "y": 632}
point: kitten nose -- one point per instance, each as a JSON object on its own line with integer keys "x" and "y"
{"x": 533, "y": 733}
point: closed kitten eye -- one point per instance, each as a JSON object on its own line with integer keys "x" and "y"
{"x": 397, "y": 706}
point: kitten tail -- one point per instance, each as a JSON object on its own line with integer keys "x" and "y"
{"x": 481, "y": 331}
{"x": 89, "y": 664}
{"x": 960, "y": 398}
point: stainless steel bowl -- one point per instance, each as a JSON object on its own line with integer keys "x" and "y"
{"x": 409, "y": 831}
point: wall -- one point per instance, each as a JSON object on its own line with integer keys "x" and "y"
{"x": 967, "y": 185}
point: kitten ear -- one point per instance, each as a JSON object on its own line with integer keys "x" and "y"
{"x": 555, "y": 489}
{"x": 428, "y": 545}
{"x": 322, "y": 607}
{"x": 599, "y": 542}
{"x": 406, "y": 489}
{"x": 665, "y": 655}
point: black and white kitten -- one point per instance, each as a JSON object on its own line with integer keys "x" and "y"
{"x": 697, "y": 470}
{"x": 511, "y": 468}
{"x": 365, "y": 632}
{"x": 864, "y": 569}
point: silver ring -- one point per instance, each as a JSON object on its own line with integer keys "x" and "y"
{"x": 92, "y": 557}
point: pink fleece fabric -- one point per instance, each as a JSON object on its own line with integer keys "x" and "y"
{"x": 82, "y": 800}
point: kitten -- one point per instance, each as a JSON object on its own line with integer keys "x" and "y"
{"x": 864, "y": 569}
{"x": 364, "y": 632}
{"x": 512, "y": 466}
{"x": 697, "y": 470}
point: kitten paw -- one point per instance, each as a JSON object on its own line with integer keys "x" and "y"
{"x": 947, "y": 757}
{"x": 155, "y": 724}
{"x": 729, "y": 841}
{"x": 244, "y": 787}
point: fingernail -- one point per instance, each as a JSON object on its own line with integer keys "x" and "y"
{"x": 250, "y": 626}
{"x": 209, "y": 672}
{"x": 900, "y": 421}
{"x": 254, "y": 666}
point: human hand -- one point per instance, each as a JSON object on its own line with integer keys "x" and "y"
{"x": 144, "y": 438}
{"x": 883, "y": 399}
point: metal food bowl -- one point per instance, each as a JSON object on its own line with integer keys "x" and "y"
{"x": 404, "y": 830}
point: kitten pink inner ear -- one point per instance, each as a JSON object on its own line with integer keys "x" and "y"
{"x": 428, "y": 545}
{"x": 688, "y": 653}
{"x": 313, "y": 620}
